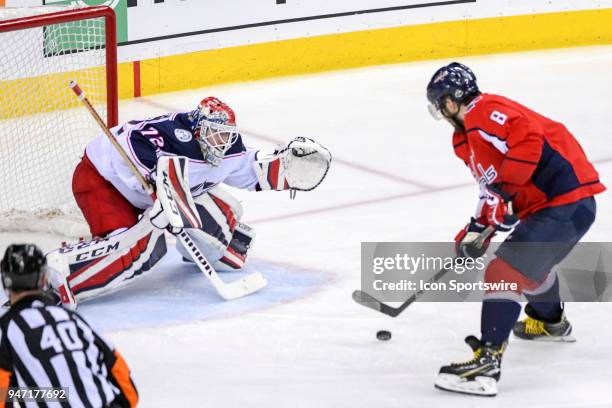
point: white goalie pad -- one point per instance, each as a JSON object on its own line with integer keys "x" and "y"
{"x": 87, "y": 269}
{"x": 301, "y": 165}
{"x": 228, "y": 198}
{"x": 223, "y": 239}
{"x": 208, "y": 245}
{"x": 58, "y": 273}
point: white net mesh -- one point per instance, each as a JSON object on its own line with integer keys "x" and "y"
{"x": 43, "y": 127}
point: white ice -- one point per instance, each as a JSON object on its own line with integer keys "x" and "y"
{"x": 394, "y": 178}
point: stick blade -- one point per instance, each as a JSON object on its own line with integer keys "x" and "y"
{"x": 366, "y": 300}
{"x": 391, "y": 311}
{"x": 371, "y": 302}
{"x": 243, "y": 286}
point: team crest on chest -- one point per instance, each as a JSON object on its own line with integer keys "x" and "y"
{"x": 183, "y": 135}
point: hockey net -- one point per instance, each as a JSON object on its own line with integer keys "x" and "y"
{"x": 43, "y": 127}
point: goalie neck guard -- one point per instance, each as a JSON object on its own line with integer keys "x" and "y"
{"x": 214, "y": 126}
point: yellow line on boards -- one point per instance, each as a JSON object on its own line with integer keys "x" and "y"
{"x": 376, "y": 47}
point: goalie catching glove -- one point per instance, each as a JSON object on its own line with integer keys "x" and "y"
{"x": 300, "y": 165}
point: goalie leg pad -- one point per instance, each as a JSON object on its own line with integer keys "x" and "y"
{"x": 207, "y": 244}
{"x": 92, "y": 268}
{"x": 228, "y": 200}
{"x": 58, "y": 272}
{"x": 235, "y": 255}
{"x": 222, "y": 239}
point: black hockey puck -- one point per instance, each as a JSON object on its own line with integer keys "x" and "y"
{"x": 383, "y": 335}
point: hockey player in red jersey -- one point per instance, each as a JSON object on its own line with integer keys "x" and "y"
{"x": 536, "y": 181}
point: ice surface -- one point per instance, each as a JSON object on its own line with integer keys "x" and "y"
{"x": 394, "y": 178}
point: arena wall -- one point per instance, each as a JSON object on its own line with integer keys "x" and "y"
{"x": 171, "y": 45}
{"x": 178, "y": 45}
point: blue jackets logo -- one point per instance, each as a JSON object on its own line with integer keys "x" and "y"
{"x": 183, "y": 135}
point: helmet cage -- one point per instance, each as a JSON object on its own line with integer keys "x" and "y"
{"x": 215, "y": 140}
{"x": 214, "y": 127}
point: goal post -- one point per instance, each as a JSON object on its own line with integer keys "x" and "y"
{"x": 61, "y": 19}
{"x": 43, "y": 128}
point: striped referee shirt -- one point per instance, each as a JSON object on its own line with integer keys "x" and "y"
{"x": 42, "y": 345}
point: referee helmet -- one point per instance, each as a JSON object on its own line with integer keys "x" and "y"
{"x": 23, "y": 267}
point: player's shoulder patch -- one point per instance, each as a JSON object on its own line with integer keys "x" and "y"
{"x": 183, "y": 135}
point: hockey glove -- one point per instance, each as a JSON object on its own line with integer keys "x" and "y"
{"x": 499, "y": 209}
{"x": 302, "y": 165}
{"x": 465, "y": 241}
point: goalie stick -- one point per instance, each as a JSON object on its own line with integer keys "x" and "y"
{"x": 370, "y": 301}
{"x": 227, "y": 290}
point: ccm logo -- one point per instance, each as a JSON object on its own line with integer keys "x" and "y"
{"x": 168, "y": 193}
{"x": 94, "y": 253}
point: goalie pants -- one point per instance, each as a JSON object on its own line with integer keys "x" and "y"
{"x": 103, "y": 207}
{"x": 526, "y": 258}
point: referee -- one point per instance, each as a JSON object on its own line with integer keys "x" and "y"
{"x": 43, "y": 346}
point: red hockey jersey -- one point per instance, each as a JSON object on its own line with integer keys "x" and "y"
{"x": 536, "y": 159}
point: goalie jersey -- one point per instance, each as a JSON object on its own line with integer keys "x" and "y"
{"x": 168, "y": 135}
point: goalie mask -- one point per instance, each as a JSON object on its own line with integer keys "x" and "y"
{"x": 214, "y": 127}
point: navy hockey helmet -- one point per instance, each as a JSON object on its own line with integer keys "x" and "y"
{"x": 455, "y": 81}
{"x": 22, "y": 267}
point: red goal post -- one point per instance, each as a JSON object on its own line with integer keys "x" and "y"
{"x": 43, "y": 129}
{"x": 66, "y": 16}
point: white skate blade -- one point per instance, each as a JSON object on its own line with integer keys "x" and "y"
{"x": 481, "y": 386}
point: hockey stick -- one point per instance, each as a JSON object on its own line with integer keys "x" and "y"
{"x": 367, "y": 300}
{"x": 227, "y": 290}
{"x": 81, "y": 96}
